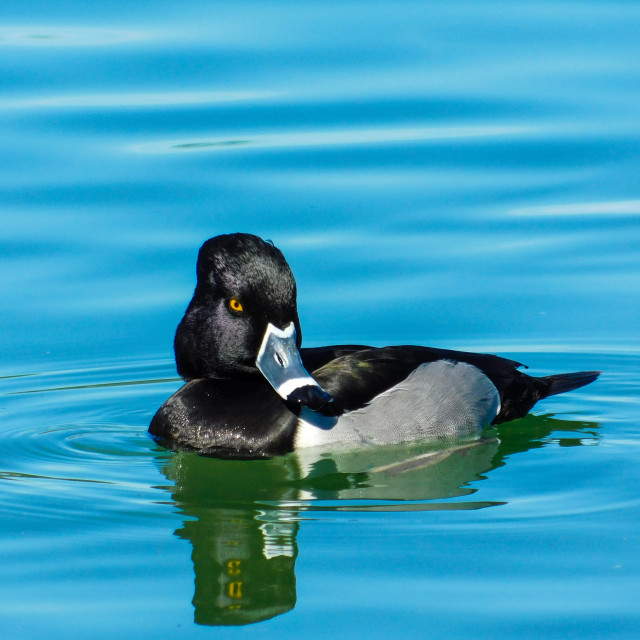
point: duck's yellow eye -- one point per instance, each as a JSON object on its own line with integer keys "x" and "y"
{"x": 235, "y": 305}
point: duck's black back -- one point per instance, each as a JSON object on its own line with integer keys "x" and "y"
{"x": 355, "y": 374}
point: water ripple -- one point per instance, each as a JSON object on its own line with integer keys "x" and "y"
{"x": 77, "y": 424}
{"x": 611, "y": 208}
{"x": 72, "y": 452}
{"x": 332, "y": 138}
{"x": 49, "y": 36}
{"x": 149, "y": 99}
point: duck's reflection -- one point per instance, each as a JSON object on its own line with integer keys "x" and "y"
{"x": 244, "y": 544}
{"x": 244, "y": 565}
{"x": 242, "y": 516}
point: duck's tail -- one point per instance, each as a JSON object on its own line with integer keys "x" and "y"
{"x": 562, "y": 382}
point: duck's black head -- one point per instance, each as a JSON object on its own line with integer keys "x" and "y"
{"x": 243, "y": 320}
{"x": 243, "y": 285}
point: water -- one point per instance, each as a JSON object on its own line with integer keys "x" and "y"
{"x": 459, "y": 175}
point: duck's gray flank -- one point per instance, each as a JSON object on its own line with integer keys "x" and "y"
{"x": 437, "y": 399}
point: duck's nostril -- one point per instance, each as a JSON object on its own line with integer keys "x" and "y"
{"x": 279, "y": 359}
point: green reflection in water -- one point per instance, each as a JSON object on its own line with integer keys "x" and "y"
{"x": 242, "y": 516}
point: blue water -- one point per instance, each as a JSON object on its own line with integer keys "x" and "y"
{"x": 462, "y": 175}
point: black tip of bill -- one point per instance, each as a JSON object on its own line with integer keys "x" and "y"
{"x": 311, "y": 396}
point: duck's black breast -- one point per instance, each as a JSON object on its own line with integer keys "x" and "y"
{"x": 226, "y": 418}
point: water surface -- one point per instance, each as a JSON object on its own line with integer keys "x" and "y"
{"x": 458, "y": 175}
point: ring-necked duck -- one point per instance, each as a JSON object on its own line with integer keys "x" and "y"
{"x": 249, "y": 394}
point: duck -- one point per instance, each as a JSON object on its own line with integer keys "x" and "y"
{"x": 251, "y": 391}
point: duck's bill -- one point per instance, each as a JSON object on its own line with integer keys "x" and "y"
{"x": 279, "y": 362}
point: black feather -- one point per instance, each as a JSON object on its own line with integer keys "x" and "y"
{"x": 563, "y": 382}
{"x": 354, "y": 375}
{"x": 225, "y": 419}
